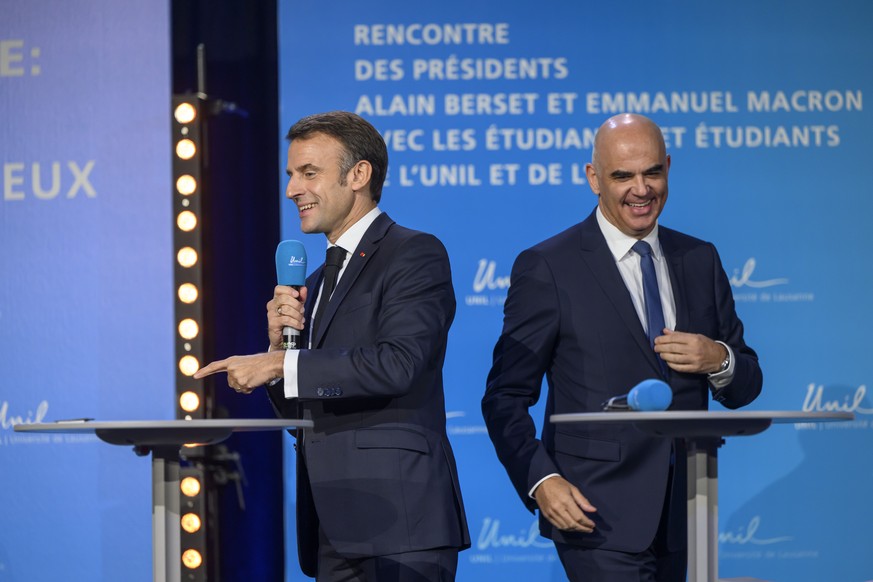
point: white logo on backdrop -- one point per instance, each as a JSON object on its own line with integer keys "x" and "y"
{"x": 461, "y": 429}
{"x": 489, "y": 288}
{"x": 744, "y": 278}
{"x": 747, "y": 287}
{"x": 495, "y": 546}
{"x": 490, "y": 537}
{"x": 819, "y": 399}
{"x": 745, "y": 535}
{"x": 815, "y": 401}
{"x": 7, "y": 420}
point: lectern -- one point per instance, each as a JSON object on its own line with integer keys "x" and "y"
{"x": 703, "y": 433}
{"x": 164, "y": 439}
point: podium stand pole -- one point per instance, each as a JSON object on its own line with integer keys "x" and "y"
{"x": 703, "y": 507}
{"x": 166, "y": 536}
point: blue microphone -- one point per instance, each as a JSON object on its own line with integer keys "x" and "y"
{"x": 291, "y": 271}
{"x": 648, "y": 395}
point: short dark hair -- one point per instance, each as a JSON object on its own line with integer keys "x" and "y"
{"x": 359, "y": 139}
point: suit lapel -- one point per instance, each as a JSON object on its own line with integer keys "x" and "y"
{"x": 357, "y": 261}
{"x": 596, "y": 254}
{"x": 673, "y": 254}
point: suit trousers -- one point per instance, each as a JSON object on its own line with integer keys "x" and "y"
{"x": 435, "y": 565}
{"x": 656, "y": 564}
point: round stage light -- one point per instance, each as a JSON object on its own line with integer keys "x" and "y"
{"x": 186, "y": 220}
{"x": 189, "y": 401}
{"x": 190, "y": 486}
{"x": 191, "y": 522}
{"x": 188, "y": 293}
{"x": 188, "y": 329}
{"x": 186, "y": 149}
{"x": 188, "y": 365}
{"x": 186, "y": 184}
{"x": 187, "y": 257}
{"x": 192, "y": 559}
{"x": 185, "y": 113}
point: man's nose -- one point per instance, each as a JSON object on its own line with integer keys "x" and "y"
{"x": 641, "y": 186}
{"x": 293, "y": 189}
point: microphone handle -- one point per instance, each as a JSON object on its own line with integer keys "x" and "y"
{"x": 291, "y": 336}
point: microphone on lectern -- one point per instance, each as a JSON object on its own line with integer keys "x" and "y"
{"x": 648, "y": 395}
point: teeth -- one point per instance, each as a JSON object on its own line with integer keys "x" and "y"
{"x": 640, "y": 205}
{"x": 307, "y": 207}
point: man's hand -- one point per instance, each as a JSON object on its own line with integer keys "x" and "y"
{"x": 285, "y": 309}
{"x": 245, "y": 373}
{"x": 690, "y": 352}
{"x": 564, "y": 505}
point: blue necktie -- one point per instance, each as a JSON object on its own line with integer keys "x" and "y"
{"x": 654, "y": 313}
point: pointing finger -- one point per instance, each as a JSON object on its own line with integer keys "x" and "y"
{"x": 212, "y": 368}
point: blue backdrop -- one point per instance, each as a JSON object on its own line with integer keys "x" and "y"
{"x": 86, "y": 323}
{"x": 489, "y": 117}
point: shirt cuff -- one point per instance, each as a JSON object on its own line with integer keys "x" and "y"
{"x": 722, "y": 379}
{"x": 290, "y": 372}
{"x": 540, "y": 482}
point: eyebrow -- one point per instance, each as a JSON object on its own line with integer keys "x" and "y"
{"x": 657, "y": 168}
{"x": 302, "y": 169}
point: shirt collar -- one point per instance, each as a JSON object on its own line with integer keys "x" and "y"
{"x": 620, "y": 244}
{"x": 350, "y": 239}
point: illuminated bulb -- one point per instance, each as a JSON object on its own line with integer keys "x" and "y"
{"x": 187, "y": 257}
{"x": 186, "y": 149}
{"x": 186, "y": 220}
{"x": 188, "y": 293}
{"x": 191, "y": 522}
{"x": 188, "y": 365}
{"x": 185, "y": 113}
{"x": 188, "y": 329}
{"x": 190, "y": 486}
{"x": 189, "y": 401}
{"x": 186, "y": 184}
{"x": 192, "y": 559}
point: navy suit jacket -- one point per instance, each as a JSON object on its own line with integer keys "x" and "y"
{"x": 377, "y": 470}
{"x": 569, "y": 317}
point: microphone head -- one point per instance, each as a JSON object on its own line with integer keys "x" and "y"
{"x": 650, "y": 395}
{"x": 291, "y": 263}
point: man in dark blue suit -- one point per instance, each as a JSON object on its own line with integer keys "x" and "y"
{"x": 611, "y": 498}
{"x": 378, "y": 497}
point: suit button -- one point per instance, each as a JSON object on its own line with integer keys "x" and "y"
{"x": 320, "y": 392}
{"x": 338, "y": 390}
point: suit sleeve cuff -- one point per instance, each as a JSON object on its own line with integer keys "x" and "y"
{"x": 290, "y": 373}
{"x": 540, "y": 482}
{"x": 721, "y": 379}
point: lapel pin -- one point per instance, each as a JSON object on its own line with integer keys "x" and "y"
{"x": 363, "y": 254}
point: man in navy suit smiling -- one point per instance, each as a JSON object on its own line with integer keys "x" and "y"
{"x": 378, "y": 496}
{"x": 608, "y": 303}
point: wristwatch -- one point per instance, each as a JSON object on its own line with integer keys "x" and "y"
{"x": 725, "y": 363}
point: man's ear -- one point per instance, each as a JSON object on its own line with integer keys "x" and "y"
{"x": 359, "y": 175}
{"x": 593, "y": 182}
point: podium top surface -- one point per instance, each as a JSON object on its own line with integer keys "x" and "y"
{"x": 151, "y": 433}
{"x": 702, "y": 423}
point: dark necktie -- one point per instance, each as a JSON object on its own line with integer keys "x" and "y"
{"x": 332, "y": 264}
{"x": 652, "y": 296}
